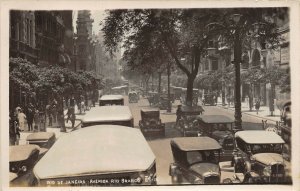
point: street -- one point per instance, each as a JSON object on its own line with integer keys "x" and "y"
{"x": 161, "y": 146}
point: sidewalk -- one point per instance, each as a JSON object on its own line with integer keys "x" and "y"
{"x": 55, "y": 128}
{"x": 263, "y": 113}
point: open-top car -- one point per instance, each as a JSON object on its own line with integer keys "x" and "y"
{"x": 151, "y": 124}
{"x": 133, "y": 97}
{"x": 259, "y": 152}
{"x": 113, "y": 115}
{"x": 196, "y": 160}
{"x": 102, "y": 155}
{"x": 189, "y": 122}
{"x": 22, "y": 158}
{"x": 219, "y": 127}
{"x": 111, "y": 100}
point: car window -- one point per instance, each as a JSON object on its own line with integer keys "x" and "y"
{"x": 264, "y": 148}
{"x": 194, "y": 156}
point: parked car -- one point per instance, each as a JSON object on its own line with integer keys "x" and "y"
{"x": 220, "y": 128}
{"x": 22, "y": 158}
{"x": 43, "y": 139}
{"x": 177, "y": 92}
{"x": 113, "y": 115}
{"x": 133, "y": 97}
{"x": 151, "y": 124}
{"x": 111, "y": 100}
{"x": 189, "y": 122}
{"x": 196, "y": 160}
{"x": 101, "y": 155}
{"x": 259, "y": 152}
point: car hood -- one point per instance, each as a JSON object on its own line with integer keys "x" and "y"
{"x": 205, "y": 169}
{"x": 268, "y": 158}
{"x": 221, "y": 133}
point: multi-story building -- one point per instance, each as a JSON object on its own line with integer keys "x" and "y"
{"x": 84, "y": 48}
{"x": 39, "y": 36}
{"x": 22, "y": 39}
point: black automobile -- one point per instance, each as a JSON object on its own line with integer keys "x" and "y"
{"x": 209, "y": 99}
{"x": 133, "y": 97}
{"x": 151, "y": 124}
{"x": 220, "y": 128}
{"x": 196, "y": 160}
{"x": 22, "y": 158}
{"x": 189, "y": 120}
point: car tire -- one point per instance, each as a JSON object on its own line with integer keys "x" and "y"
{"x": 176, "y": 179}
{"x": 227, "y": 181}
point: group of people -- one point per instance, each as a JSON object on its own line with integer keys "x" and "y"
{"x": 18, "y": 119}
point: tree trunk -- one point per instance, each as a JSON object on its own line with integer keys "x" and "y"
{"x": 271, "y": 100}
{"x": 159, "y": 83}
{"x": 189, "y": 91}
{"x": 169, "y": 95}
{"x": 61, "y": 119}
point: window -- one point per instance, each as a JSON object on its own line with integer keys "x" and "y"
{"x": 214, "y": 64}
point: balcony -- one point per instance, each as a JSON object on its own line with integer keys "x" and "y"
{"x": 22, "y": 48}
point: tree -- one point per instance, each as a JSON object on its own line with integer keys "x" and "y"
{"x": 182, "y": 32}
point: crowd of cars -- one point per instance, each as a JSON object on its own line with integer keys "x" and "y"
{"x": 107, "y": 150}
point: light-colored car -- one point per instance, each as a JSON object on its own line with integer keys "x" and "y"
{"x": 111, "y": 100}
{"x": 113, "y": 115}
{"x": 43, "y": 139}
{"x": 259, "y": 152}
{"x": 102, "y": 155}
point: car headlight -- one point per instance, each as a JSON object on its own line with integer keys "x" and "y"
{"x": 267, "y": 171}
{"x": 147, "y": 123}
{"x": 186, "y": 126}
{"x": 198, "y": 180}
{"x": 23, "y": 168}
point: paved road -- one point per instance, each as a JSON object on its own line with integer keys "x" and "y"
{"x": 161, "y": 146}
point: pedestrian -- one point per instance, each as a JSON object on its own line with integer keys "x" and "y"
{"x": 36, "y": 119}
{"x": 14, "y": 131}
{"x": 178, "y": 114}
{"x": 247, "y": 100}
{"x": 49, "y": 113}
{"x": 30, "y": 115}
{"x": 54, "y": 112}
{"x": 73, "y": 118}
{"x": 257, "y": 105}
{"x": 21, "y": 119}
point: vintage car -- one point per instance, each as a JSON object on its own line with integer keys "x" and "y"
{"x": 133, "y": 97}
{"x": 151, "y": 124}
{"x": 111, "y": 155}
{"x": 22, "y": 158}
{"x": 177, "y": 92}
{"x": 113, "y": 115}
{"x": 220, "y": 128}
{"x": 43, "y": 139}
{"x": 209, "y": 99}
{"x": 196, "y": 160}
{"x": 259, "y": 152}
{"x": 189, "y": 122}
{"x": 195, "y": 96}
{"x": 111, "y": 100}
{"x": 153, "y": 98}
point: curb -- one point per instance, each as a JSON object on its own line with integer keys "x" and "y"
{"x": 262, "y": 117}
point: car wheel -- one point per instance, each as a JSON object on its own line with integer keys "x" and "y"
{"x": 176, "y": 179}
{"x": 227, "y": 181}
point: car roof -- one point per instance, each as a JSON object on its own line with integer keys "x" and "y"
{"x": 195, "y": 143}
{"x": 111, "y": 97}
{"x": 149, "y": 109}
{"x": 259, "y": 137}
{"x": 100, "y": 149}
{"x": 108, "y": 113}
{"x": 40, "y": 136}
{"x": 21, "y": 152}
{"x": 216, "y": 119}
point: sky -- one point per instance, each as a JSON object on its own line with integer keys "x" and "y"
{"x": 97, "y": 15}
